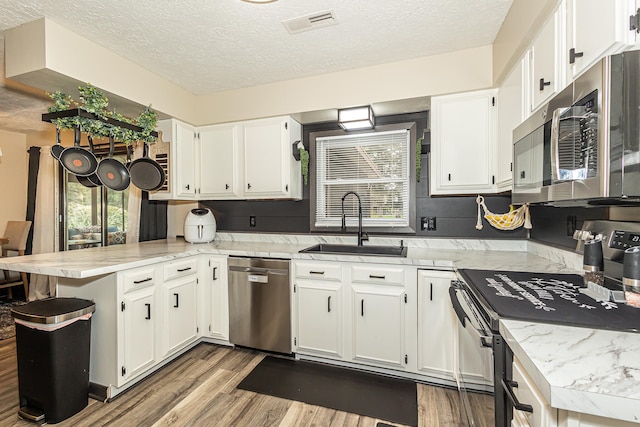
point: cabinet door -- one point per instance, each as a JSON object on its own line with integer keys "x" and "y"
{"x": 186, "y": 160}
{"x": 379, "y": 324}
{"x": 463, "y": 143}
{"x": 219, "y": 298}
{"x": 546, "y": 63}
{"x": 597, "y": 28}
{"x": 510, "y": 115}
{"x": 436, "y": 324}
{"x": 319, "y": 317}
{"x": 218, "y": 161}
{"x": 139, "y": 327}
{"x": 179, "y": 313}
{"x": 264, "y": 154}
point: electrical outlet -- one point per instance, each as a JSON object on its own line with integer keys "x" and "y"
{"x": 431, "y": 223}
{"x": 252, "y": 221}
{"x": 428, "y": 223}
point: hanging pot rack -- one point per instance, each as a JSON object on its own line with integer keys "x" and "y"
{"x": 78, "y": 112}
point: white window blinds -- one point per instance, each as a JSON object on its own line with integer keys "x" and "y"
{"x": 374, "y": 165}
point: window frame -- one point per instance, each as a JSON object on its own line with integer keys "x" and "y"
{"x": 410, "y": 229}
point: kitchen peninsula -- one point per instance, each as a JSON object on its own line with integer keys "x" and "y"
{"x": 122, "y": 274}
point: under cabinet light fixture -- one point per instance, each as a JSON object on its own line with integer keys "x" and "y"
{"x": 260, "y": 1}
{"x": 356, "y": 118}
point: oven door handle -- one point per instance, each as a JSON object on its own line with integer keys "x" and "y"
{"x": 456, "y": 305}
{"x": 486, "y": 341}
{"x": 508, "y": 386}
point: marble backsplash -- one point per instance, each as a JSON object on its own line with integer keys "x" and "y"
{"x": 571, "y": 259}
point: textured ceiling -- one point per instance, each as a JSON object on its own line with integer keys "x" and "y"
{"x": 207, "y": 46}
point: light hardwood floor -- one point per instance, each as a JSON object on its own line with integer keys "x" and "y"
{"x": 199, "y": 389}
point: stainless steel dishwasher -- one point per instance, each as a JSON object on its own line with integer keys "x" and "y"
{"x": 259, "y": 304}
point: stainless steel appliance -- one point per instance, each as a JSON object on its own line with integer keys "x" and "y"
{"x": 583, "y": 147}
{"x": 259, "y": 304}
{"x": 482, "y": 297}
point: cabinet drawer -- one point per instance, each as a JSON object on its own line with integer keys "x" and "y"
{"x": 139, "y": 278}
{"x": 320, "y": 271}
{"x": 543, "y": 414}
{"x": 371, "y": 274}
{"x": 181, "y": 268}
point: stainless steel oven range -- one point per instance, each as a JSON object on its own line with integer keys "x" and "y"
{"x": 482, "y": 297}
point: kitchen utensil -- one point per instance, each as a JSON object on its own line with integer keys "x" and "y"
{"x": 92, "y": 180}
{"x": 631, "y": 276}
{"x": 57, "y": 149}
{"x": 146, "y": 173}
{"x": 593, "y": 262}
{"x": 113, "y": 174}
{"x": 77, "y": 160}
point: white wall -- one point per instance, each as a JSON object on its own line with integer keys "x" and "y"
{"x": 13, "y": 177}
{"x": 516, "y": 33}
{"x": 63, "y": 69}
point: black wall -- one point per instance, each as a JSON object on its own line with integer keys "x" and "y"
{"x": 455, "y": 216}
{"x": 556, "y": 225}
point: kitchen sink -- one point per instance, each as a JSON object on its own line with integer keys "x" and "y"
{"x": 326, "y": 248}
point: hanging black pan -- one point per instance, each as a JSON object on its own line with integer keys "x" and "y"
{"x": 146, "y": 173}
{"x": 92, "y": 180}
{"x": 113, "y": 174}
{"x": 58, "y": 148}
{"x": 77, "y": 160}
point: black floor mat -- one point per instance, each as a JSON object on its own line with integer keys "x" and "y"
{"x": 348, "y": 390}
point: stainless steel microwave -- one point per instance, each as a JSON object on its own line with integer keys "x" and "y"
{"x": 583, "y": 147}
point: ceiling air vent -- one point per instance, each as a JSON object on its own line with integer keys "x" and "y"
{"x": 310, "y": 22}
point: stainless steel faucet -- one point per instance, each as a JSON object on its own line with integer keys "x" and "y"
{"x": 361, "y": 236}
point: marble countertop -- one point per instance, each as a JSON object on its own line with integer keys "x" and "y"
{"x": 583, "y": 370}
{"x": 578, "y": 369}
{"x": 426, "y": 253}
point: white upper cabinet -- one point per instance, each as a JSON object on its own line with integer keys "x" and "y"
{"x": 219, "y": 160}
{"x": 547, "y": 66}
{"x": 244, "y": 160}
{"x": 270, "y": 170}
{"x": 511, "y": 112}
{"x": 463, "y": 133}
{"x": 596, "y": 28}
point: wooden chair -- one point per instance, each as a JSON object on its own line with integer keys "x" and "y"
{"x": 16, "y": 233}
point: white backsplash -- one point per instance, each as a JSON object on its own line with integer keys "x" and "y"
{"x": 566, "y": 257}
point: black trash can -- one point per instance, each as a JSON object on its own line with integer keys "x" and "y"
{"x": 53, "y": 339}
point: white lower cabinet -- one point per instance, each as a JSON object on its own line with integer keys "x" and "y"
{"x": 179, "y": 315}
{"x": 320, "y": 321}
{"x": 543, "y": 415}
{"x": 436, "y": 324}
{"x": 213, "y": 298}
{"x": 139, "y": 320}
{"x": 144, "y": 317}
{"x": 356, "y": 312}
{"x": 318, "y": 298}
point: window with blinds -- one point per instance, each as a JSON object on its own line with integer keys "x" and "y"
{"x": 374, "y": 165}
